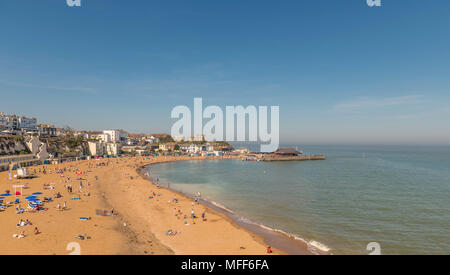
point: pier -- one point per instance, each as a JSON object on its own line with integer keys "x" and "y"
{"x": 292, "y": 158}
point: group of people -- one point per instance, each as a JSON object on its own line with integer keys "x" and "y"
{"x": 22, "y": 234}
{"x": 24, "y": 223}
{"x": 61, "y": 208}
{"x": 38, "y": 207}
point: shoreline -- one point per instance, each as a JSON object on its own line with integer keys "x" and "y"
{"x": 140, "y": 222}
{"x": 276, "y": 238}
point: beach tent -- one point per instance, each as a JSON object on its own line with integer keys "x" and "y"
{"x": 21, "y": 190}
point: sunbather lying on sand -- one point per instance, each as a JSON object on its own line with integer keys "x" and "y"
{"x": 20, "y": 236}
{"x": 170, "y": 232}
{"x": 23, "y": 223}
{"x": 83, "y": 236}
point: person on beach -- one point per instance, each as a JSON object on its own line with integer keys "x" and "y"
{"x": 20, "y": 236}
{"x": 203, "y": 216}
{"x": 269, "y": 250}
{"x": 36, "y": 231}
{"x": 21, "y": 223}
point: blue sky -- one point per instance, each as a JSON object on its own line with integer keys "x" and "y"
{"x": 340, "y": 71}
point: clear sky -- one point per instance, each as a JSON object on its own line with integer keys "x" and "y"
{"x": 340, "y": 71}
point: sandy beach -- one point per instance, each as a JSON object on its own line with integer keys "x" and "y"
{"x": 146, "y": 219}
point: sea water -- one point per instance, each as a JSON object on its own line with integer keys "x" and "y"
{"x": 397, "y": 196}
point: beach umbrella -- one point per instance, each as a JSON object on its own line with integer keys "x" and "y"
{"x": 37, "y": 193}
{"x": 31, "y": 197}
{"x": 35, "y": 199}
{"x": 1, "y": 198}
{"x": 5, "y": 195}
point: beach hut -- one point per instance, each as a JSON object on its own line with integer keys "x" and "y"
{"x": 17, "y": 193}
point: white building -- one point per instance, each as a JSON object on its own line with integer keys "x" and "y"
{"x": 112, "y": 148}
{"x": 82, "y": 134}
{"x": 13, "y": 122}
{"x": 2, "y": 121}
{"x": 27, "y": 123}
{"x": 242, "y": 151}
{"x": 46, "y": 129}
{"x": 97, "y": 148}
{"x": 194, "y": 148}
{"x": 119, "y": 136}
{"x": 101, "y": 137}
{"x": 152, "y": 139}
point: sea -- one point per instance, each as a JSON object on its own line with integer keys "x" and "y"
{"x": 360, "y": 200}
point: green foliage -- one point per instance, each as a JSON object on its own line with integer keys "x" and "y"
{"x": 74, "y": 142}
{"x": 166, "y": 139}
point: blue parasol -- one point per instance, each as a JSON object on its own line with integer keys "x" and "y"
{"x": 37, "y": 193}
{"x": 5, "y": 195}
{"x": 31, "y": 197}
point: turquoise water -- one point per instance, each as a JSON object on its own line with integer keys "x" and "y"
{"x": 396, "y": 196}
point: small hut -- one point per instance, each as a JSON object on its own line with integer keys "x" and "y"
{"x": 287, "y": 152}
